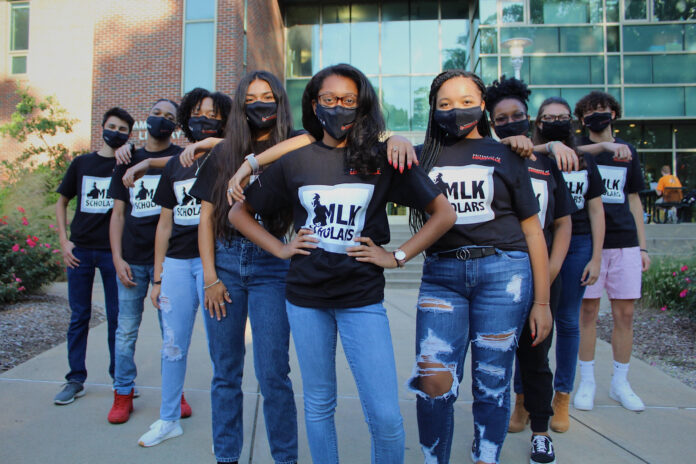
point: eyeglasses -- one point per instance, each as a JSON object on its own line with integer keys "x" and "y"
{"x": 330, "y": 100}
{"x": 504, "y": 119}
{"x": 555, "y": 117}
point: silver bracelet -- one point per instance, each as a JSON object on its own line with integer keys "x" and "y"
{"x": 214, "y": 283}
{"x": 253, "y": 162}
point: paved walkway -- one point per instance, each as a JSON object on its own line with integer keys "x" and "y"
{"x": 34, "y": 430}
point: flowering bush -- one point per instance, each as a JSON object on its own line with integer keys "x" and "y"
{"x": 669, "y": 284}
{"x": 27, "y": 262}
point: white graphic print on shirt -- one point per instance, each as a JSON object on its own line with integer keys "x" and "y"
{"x": 469, "y": 189}
{"x": 141, "y": 196}
{"x": 541, "y": 191}
{"x": 614, "y": 178}
{"x": 188, "y": 210}
{"x": 95, "y": 196}
{"x": 578, "y": 183}
{"x": 336, "y": 213}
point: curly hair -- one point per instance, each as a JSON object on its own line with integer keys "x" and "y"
{"x": 506, "y": 88}
{"x": 435, "y": 136}
{"x": 221, "y": 103}
{"x": 364, "y": 153}
{"x": 594, "y": 100}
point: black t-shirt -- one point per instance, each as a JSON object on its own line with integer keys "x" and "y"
{"x": 621, "y": 178}
{"x": 88, "y": 178}
{"x": 142, "y": 213}
{"x": 584, "y": 185}
{"x": 174, "y": 192}
{"x": 490, "y": 190}
{"x": 551, "y": 192}
{"x": 337, "y": 206}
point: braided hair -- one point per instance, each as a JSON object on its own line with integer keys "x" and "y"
{"x": 435, "y": 136}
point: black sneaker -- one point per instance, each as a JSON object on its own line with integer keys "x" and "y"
{"x": 542, "y": 450}
{"x": 70, "y": 391}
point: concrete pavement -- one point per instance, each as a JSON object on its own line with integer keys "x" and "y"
{"x": 34, "y": 430}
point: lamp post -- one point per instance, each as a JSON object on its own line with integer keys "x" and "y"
{"x": 516, "y": 46}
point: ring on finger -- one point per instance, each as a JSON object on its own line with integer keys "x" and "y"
{"x": 230, "y": 190}
{"x": 395, "y": 148}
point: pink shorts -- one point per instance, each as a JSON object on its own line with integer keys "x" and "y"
{"x": 620, "y": 275}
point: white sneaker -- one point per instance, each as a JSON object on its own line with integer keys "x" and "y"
{"x": 624, "y": 395}
{"x": 159, "y": 431}
{"x": 584, "y": 397}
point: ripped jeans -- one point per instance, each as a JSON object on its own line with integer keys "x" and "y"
{"x": 485, "y": 301}
{"x": 182, "y": 292}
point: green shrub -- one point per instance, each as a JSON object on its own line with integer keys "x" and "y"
{"x": 669, "y": 284}
{"x": 27, "y": 262}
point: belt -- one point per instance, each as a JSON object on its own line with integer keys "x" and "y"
{"x": 464, "y": 254}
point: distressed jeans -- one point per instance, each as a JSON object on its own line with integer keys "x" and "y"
{"x": 484, "y": 301}
{"x": 256, "y": 282}
{"x": 182, "y": 293}
{"x": 366, "y": 340}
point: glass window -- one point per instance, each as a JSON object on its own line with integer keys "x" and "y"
{"x": 200, "y": 9}
{"x": 628, "y": 131}
{"x": 613, "y": 39}
{"x": 423, "y": 9}
{"x": 454, "y": 9}
{"x": 686, "y": 169}
{"x": 295, "y": 89}
{"x": 674, "y": 69}
{"x": 302, "y": 15}
{"x": 674, "y": 10}
{"x": 488, "y": 11}
{"x": 420, "y": 89}
{"x": 635, "y": 9}
{"x": 690, "y": 37}
{"x": 559, "y": 70}
{"x": 581, "y": 39}
{"x": 654, "y": 38}
{"x": 544, "y": 39}
{"x": 335, "y": 29}
{"x": 332, "y": 14}
{"x": 513, "y": 11}
{"x": 425, "y": 56}
{"x": 613, "y": 69}
{"x": 19, "y": 65}
{"x": 652, "y": 164}
{"x": 395, "y": 11}
{"x": 396, "y": 102}
{"x": 612, "y": 11}
{"x": 455, "y": 41}
{"x": 489, "y": 40}
{"x": 538, "y": 96}
{"x": 559, "y": 11}
{"x": 573, "y": 95}
{"x": 654, "y": 101}
{"x": 616, "y": 93}
{"x": 509, "y": 70}
{"x": 199, "y": 56}
{"x": 656, "y": 135}
{"x": 489, "y": 69}
{"x": 19, "y": 27}
{"x": 638, "y": 69}
{"x": 597, "y": 69}
{"x": 396, "y": 57}
{"x": 299, "y": 57}
{"x": 364, "y": 37}
{"x": 690, "y": 101}
{"x": 685, "y": 135}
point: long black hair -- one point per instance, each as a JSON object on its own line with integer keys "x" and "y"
{"x": 539, "y": 139}
{"x": 221, "y": 103}
{"x": 435, "y": 136}
{"x": 240, "y": 140}
{"x": 364, "y": 154}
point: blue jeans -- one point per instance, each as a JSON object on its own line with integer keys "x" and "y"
{"x": 567, "y": 315}
{"x": 130, "y": 301}
{"x": 256, "y": 282}
{"x": 80, "y": 281}
{"x": 483, "y": 301}
{"x": 182, "y": 291}
{"x": 366, "y": 340}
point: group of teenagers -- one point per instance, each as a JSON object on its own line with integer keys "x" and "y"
{"x": 287, "y": 228}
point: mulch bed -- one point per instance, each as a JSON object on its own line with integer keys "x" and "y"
{"x": 665, "y": 339}
{"x": 34, "y": 325}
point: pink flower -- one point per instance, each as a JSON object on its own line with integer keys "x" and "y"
{"x": 674, "y": 274}
{"x": 688, "y": 281}
{"x": 683, "y": 293}
{"x": 56, "y": 251}
{"x": 21, "y": 289}
{"x": 21, "y": 210}
{"x": 24, "y": 221}
{"x": 684, "y": 268}
{"x": 51, "y": 226}
{"x": 664, "y": 308}
{"x": 15, "y": 247}
{"x": 22, "y": 250}
{"x": 35, "y": 238}
{"x": 31, "y": 243}
{"x": 17, "y": 279}
{"x": 47, "y": 245}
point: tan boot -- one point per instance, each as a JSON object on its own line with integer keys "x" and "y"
{"x": 520, "y": 416}
{"x": 560, "y": 422}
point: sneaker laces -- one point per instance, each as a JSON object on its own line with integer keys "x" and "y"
{"x": 539, "y": 444}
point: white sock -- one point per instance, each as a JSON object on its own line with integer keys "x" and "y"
{"x": 587, "y": 371}
{"x": 620, "y": 373}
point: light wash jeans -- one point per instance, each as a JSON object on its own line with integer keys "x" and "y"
{"x": 366, "y": 340}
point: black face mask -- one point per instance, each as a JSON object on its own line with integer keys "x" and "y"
{"x": 337, "y": 121}
{"x": 597, "y": 122}
{"x": 202, "y": 127}
{"x": 261, "y": 115}
{"x": 458, "y": 122}
{"x": 159, "y": 127}
{"x": 555, "y": 130}
{"x": 512, "y": 128}
{"x": 114, "y": 139}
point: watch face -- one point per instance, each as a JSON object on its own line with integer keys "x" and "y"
{"x": 400, "y": 255}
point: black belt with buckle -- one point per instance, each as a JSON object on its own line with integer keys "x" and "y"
{"x": 464, "y": 254}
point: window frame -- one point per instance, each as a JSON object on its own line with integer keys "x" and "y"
{"x": 186, "y": 22}
{"x": 12, "y": 6}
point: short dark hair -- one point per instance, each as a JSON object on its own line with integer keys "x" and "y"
{"x": 597, "y": 99}
{"x": 176, "y": 105}
{"x": 121, "y": 114}
{"x": 221, "y": 102}
{"x": 506, "y": 88}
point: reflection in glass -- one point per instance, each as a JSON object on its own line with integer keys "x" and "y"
{"x": 295, "y": 89}
{"x": 332, "y": 14}
{"x": 19, "y": 28}
{"x": 423, "y": 9}
{"x": 396, "y": 58}
{"x": 597, "y": 70}
{"x": 199, "y": 55}
{"x": 613, "y": 69}
{"x": 635, "y": 9}
{"x": 656, "y": 135}
{"x": 489, "y": 69}
{"x": 686, "y": 168}
{"x": 455, "y": 40}
{"x": 301, "y": 40}
{"x": 200, "y": 9}
{"x": 581, "y": 39}
{"x": 19, "y": 65}
{"x": 674, "y": 69}
{"x": 489, "y": 40}
{"x": 364, "y": 52}
{"x": 559, "y": 70}
{"x": 513, "y": 11}
{"x": 424, "y": 47}
{"x": 334, "y": 46}
{"x": 396, "y": 102}
{"x": 691, "y": 103}
{"x": 573, "y": 95}
{"x": 488, "y": 11}
{"x": 420, "y": 89}
{"x": 613, "y": 39}
{"x": 674, "y": 10}
{"x": 685, "y": 135}
{"x": 612, "y": 11}
{"x": 616, "y": 93}
{"x": 559, "y": 11}
{"x": 638, "y": 69}
{"x": 544, "y": 39}
{"x": 453, "y": 9}
{"x": 302, "y": 15}
{"x": 654, "y": 101}
{"x": 538, "y": 96}
{"x": 667, "y": 37}
{"x": 364, "y": 12}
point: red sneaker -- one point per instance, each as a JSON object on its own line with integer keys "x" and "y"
{"x": 121, "y": 409}
{"x": 185, "y": 408}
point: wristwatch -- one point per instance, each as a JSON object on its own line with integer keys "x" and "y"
{"x": 400, "y": 257}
